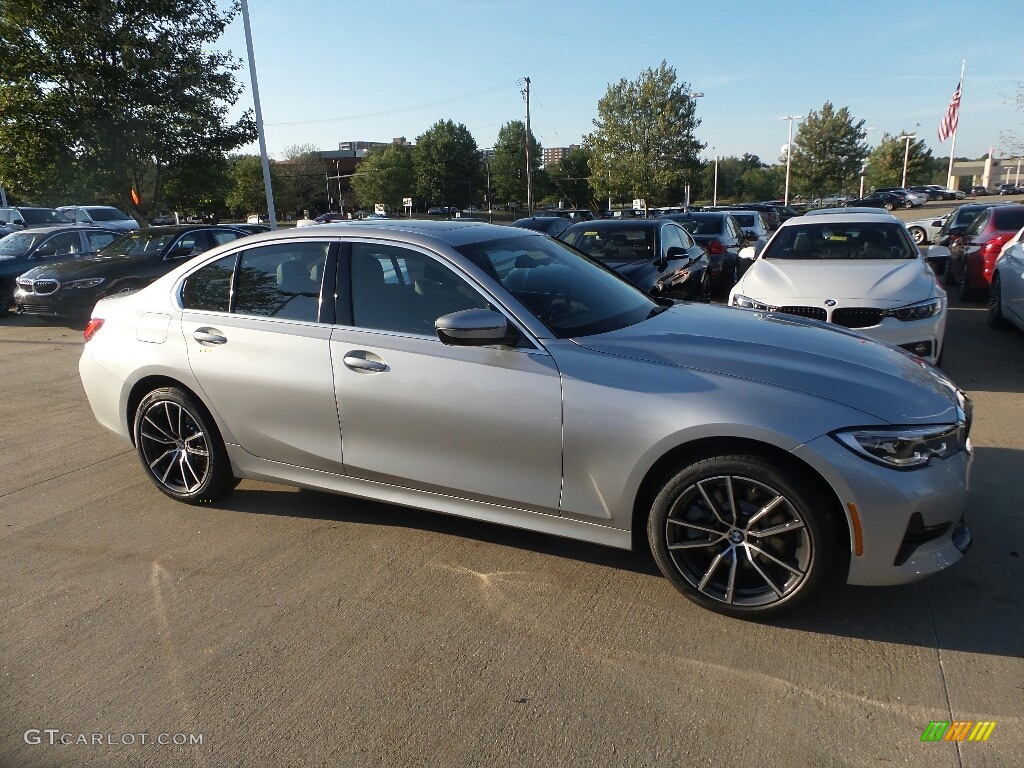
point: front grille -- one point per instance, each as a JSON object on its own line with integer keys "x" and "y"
{"x": 814, "y": 313}
{"x": 36, "y": 309}
{"x": 857, "y": 317}
{"x": 40, "y": 287}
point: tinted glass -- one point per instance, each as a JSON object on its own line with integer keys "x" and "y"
{"x": 670, "y": 238}
{"x": 43, "y": 216}
{"x": 107, "y": 214}
{"x": 398, "y": 289}
{"x": 139, "y": 244}
{"x": 614, "y": 244}
{"x": 844, "y": 240}
{"x": 190, "y": 244}
{"x": 1008, "y": 218}
{"x": 281, "y": 280}
{"x": 570, "y": 294}
{"x": 697, "y": 224}
{"x": 99, "y": 240}
{"x": 64, "y": 244}
{"x": 19, "y": 243}
{"x": 209, "y": 289}
{"x": 223, "y": 236}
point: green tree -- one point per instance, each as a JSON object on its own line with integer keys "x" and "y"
{"x": 386, "y": 176}
{"x": 303, "y": 180}
{"x": 508, "y": 167}
{"x": 197, "y": 184}
{"x": 247, "y": 193}
{"x": 643, "y": 143}
{"x": 828, "y": 152}
{"x": 764, "y": 183}
{"x": 885, "y": 163}
{"x": 113, "y": 96}
{"x": 570, "y": 180}
{"x": 447, "y": 165}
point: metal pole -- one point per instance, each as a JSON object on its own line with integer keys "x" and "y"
{"x": 714, "y": 199}
{"x": 906, "y": 156}
{"x": 789, "y": 155}
{"x": 529, "y": 170}
{"x": 271, "y": 213}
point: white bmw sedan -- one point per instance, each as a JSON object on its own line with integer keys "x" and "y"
{"x": 858, "y": 270}
{"x": 495, "y": 373}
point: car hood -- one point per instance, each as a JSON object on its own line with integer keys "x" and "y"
{"x": 92, "y": 266}
{"x": 783, "y": 281}
{"x": 793, "y": 353}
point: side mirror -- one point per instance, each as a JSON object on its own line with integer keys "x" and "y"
{"x": 748, "y": 253}
{"x": 473, "y": 328}
{"x": 45, "y": 251}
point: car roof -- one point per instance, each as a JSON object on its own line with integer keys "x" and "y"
{"x": 851, "y": 211}
{"x": 54, "y": 228}
{"x": 842, "y": 216}
{"x": 623, "y": 223}
{"x": 452, "y": 232}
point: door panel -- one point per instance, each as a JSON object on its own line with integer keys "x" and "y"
{"x": 478, "y": 422}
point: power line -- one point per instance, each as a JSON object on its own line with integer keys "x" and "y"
{"x": 400, "y": 110}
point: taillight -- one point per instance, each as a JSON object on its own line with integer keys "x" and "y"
{"x": 715, "y": 248}
{"x": 90, "y": 330}
{"x": 995, "y": 245}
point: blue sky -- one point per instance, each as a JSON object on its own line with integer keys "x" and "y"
{"x": 334, "y": 71}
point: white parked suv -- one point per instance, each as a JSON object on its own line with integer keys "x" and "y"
{"x": 858, "y": 270}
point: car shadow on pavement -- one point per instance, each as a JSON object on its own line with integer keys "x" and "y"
{"x": 997, "y": 365}
{"x": 976, "y": 606}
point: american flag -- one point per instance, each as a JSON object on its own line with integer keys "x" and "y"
{"x": 948, "y": 125}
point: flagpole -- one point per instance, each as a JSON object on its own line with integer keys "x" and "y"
{"x": 952, "y": 147}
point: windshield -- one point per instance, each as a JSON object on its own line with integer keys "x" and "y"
{"x": 842, "y": 240}
{"x": 19, "y": 243}
{"x": 139, "y": 244}
{"x": 570, "y": 294}
{"x": 107, "y": 214}
{"x": 43, "y": 216}
{"x": 616, "y": 244}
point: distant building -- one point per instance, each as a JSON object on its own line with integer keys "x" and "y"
{"x": 553, "y": 155}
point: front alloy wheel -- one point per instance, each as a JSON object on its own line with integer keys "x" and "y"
{"x": 180, "y": 447}
{"x": 742, "y": 537}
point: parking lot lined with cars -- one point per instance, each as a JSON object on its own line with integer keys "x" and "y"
{"x": 394, "y": 621}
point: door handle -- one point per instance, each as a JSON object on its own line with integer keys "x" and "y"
{"x": 361, "y": 362}
{"x": 209, "y": 336}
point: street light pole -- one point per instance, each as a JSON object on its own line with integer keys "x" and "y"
{"x": 714, "y": 200}
{"x": 906, "y": 155}
{"x": 789, "y": 152}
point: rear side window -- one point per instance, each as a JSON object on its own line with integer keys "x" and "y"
{"x": 98, "y": 240}
{"x": 1008, "y": 218}
{"x": 209, "y": 289}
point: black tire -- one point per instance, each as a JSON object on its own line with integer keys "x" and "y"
{"x": 995, "y": 304}
{"x": 947, "y": 275}
{"x": 919, "y": 235}
{"x": 707, "y": 531}
{"x": 6, "y": 300}
{"x": 180, "y": 447}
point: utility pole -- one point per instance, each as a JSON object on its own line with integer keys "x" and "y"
{"x": 271, "y": 213}
{"x": 907, "y": 137}
{"x": 529, "y": 173}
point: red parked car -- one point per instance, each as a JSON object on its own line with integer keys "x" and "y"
{"x": 972, "y": 257}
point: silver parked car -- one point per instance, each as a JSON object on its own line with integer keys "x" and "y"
{"x": 497, "y": 374}
{"x": 100, "y": 216}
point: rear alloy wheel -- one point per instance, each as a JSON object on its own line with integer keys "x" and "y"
{"x": 742, "y": 537}
{"x": 995, "y": 304}
{"x": 181, "y": 448}
{"x": 919, "y": 235}
{"x": 889, "y": 206}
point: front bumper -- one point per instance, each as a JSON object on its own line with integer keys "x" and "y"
{"x": 77, "y": 304}
{"x": 886, "y": 502}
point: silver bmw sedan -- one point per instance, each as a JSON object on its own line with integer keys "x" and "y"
{"x": 497, "y": 374}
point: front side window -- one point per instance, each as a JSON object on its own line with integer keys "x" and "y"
{"x": 139, "y": 243}
{"x": 397, "y": 289}
{"x": 64, "y": 244}
{"x": 570, "y": 294}
{"x": 191, "y": 244}
{"x": 99, "y": 240}
{"x": 282, "y": 280}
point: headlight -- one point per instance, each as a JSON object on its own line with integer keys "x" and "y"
{"x": 90, "y": 282}
{"x": 745, "y": 302}
{"x": 905, "y": 447}
{"x": 918, "y": 311}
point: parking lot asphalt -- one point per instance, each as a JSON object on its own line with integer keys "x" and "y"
{"x": 292, "y": 628}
